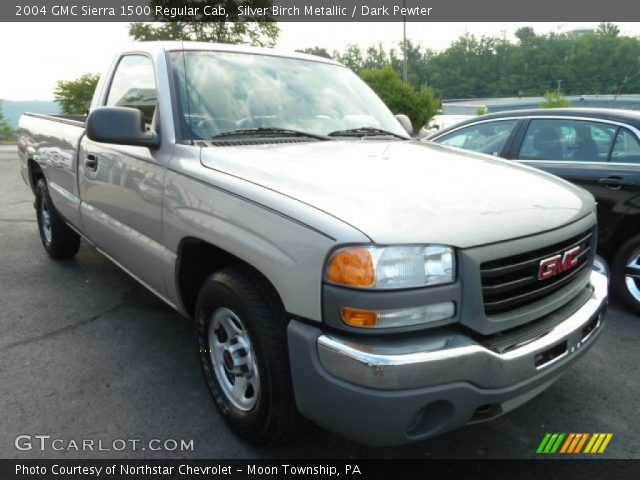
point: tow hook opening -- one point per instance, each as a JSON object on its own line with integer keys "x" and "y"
{"x": 551, "y": 354}
{"x": 590, "y": 327}
{"x": 430, "y": 418}
{"x": 486, "y": 412}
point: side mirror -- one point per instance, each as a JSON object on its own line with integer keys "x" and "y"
{"x": 405, "y": 122}
{"x": 121, "y": 126}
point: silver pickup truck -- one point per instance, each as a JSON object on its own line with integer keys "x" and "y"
{"x": 335, "y": 269}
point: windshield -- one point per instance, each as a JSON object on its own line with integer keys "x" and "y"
{"x": 229, "y": 91}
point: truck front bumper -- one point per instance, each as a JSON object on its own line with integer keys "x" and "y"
{"x": 392, "y": 391}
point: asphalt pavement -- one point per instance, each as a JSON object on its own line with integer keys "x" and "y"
{"x": 88, "y": 354}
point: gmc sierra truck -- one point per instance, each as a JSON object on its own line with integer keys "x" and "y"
{"x": 335, "y": 269}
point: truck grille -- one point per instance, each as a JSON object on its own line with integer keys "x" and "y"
{"x": 512, "y": 282}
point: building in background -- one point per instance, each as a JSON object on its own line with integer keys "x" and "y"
{"x": 578, "y": 32}
{"x": 471, "y": 106}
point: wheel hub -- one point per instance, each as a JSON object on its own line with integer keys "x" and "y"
{"x": 632, "y": 275}
{"x": 46, "y": 220}
{"x": 233, "y": 359}
{"x": 228, "y": 360}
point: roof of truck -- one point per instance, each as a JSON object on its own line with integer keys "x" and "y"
{"x": 223, "y": 47}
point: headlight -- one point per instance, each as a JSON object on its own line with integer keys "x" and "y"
{"x": 392, "y": 267}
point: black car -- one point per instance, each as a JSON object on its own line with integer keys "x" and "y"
{"x": 597, "y": 149}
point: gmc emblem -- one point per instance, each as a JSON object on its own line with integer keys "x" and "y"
{"x": 552, "y": 266}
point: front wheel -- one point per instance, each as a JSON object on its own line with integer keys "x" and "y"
{"x": 626, "y": 273}
{"x": 58, "y": 239}
{"x": 241, "y": 332}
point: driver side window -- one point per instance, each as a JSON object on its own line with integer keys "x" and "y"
{"x": 133, "y": 85}
{"x": 488, "y": 137}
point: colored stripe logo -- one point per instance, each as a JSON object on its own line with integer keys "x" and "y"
{"x": 574, "y": 443}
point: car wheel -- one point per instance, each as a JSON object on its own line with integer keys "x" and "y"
{"x": 241, "y": 333}
{"x": 58, "y": 239}
{"x": 626, "y": 273}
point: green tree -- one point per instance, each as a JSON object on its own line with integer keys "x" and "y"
{"x": 610, "y": 29}
{"x": 6, "y": 131}
{"x": 601, "y": 62}
{"x": 257, "y": 31}
{"x": 418, "y": 62}
{"x": 74, "y": 96}
{"x": 317, "y": 51}
{"x": 555, "y": 100}
{"x": 525, "y": 35}
{"x": 351, "y": 57}
{"x": 375, "y": 57}
{"x": 471, "y": 67}
{"x": 401, "y": 97}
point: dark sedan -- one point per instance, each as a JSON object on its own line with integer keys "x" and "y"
{"x": 595, "y": 148}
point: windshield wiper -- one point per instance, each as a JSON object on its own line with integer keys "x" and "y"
{"x": 270, "y": 131}
{"x": 364, "y": 132}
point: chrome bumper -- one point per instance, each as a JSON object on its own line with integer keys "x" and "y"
{"x": 453, "y": 357}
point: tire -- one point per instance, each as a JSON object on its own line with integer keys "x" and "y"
{"x": 625, "y": 271}
{"x": 237, "y": 313}
{"x": 57, "y": 238}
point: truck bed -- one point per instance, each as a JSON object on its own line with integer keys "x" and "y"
{"x": 52, "y": 142}
{"x": 78, "y": 120}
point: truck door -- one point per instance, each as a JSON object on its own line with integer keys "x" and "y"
{"x": 121, "y": 186}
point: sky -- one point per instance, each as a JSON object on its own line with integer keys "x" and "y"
{"x": 32, "y": 64}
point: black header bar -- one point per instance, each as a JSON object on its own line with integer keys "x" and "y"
{"x": 318, "y": 469}
{"x": 319, "y": 10}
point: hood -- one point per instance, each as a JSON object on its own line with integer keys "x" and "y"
{"x": 410, "y": 191}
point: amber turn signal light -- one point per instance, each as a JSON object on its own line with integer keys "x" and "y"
{"x": 352, "y": 267}
{"x": 359, "y": 318}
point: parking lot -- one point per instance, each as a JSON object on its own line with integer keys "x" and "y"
{"x": 87, "y": 353}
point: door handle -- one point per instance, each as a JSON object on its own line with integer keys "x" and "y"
{"x": 616, "y": 182}
{"x": 91, "y": 162}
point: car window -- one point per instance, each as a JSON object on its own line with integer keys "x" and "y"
{"x": 487, "y": 137}
{"x": 133, "y": 85}
{"x": 626, "y": 148}
{"x": 565, "y": 139}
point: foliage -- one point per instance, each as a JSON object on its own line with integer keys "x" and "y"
{"x": 376, "y": 57}
{"x": 74, "y": 96}
{"x": 599, "y": 62}
{"x": 481, "y": 111}
{"x": 262, "y": 31}
{"x": 401, "y": 97}
{"x": 317, "y": 51}
{"x": 555, "y": 100}
{"x": 610, "y": 29}
{"x": 428, "y": 103}
{"x": 6, "y": 131}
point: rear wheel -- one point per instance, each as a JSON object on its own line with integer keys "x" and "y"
{"x": 241, "y": 332}
{"x": 626, "y": 273}
{"x": 58, "y": 239}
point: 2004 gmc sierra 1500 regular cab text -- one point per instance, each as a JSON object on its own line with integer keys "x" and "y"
{"x": 387, "y": 289}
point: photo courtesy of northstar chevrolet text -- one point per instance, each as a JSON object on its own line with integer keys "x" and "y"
{"x": 285, "y": 239}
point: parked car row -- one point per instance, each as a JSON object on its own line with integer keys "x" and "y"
{"x": 440, "y": 122}
{"x": 597, "y": 149}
